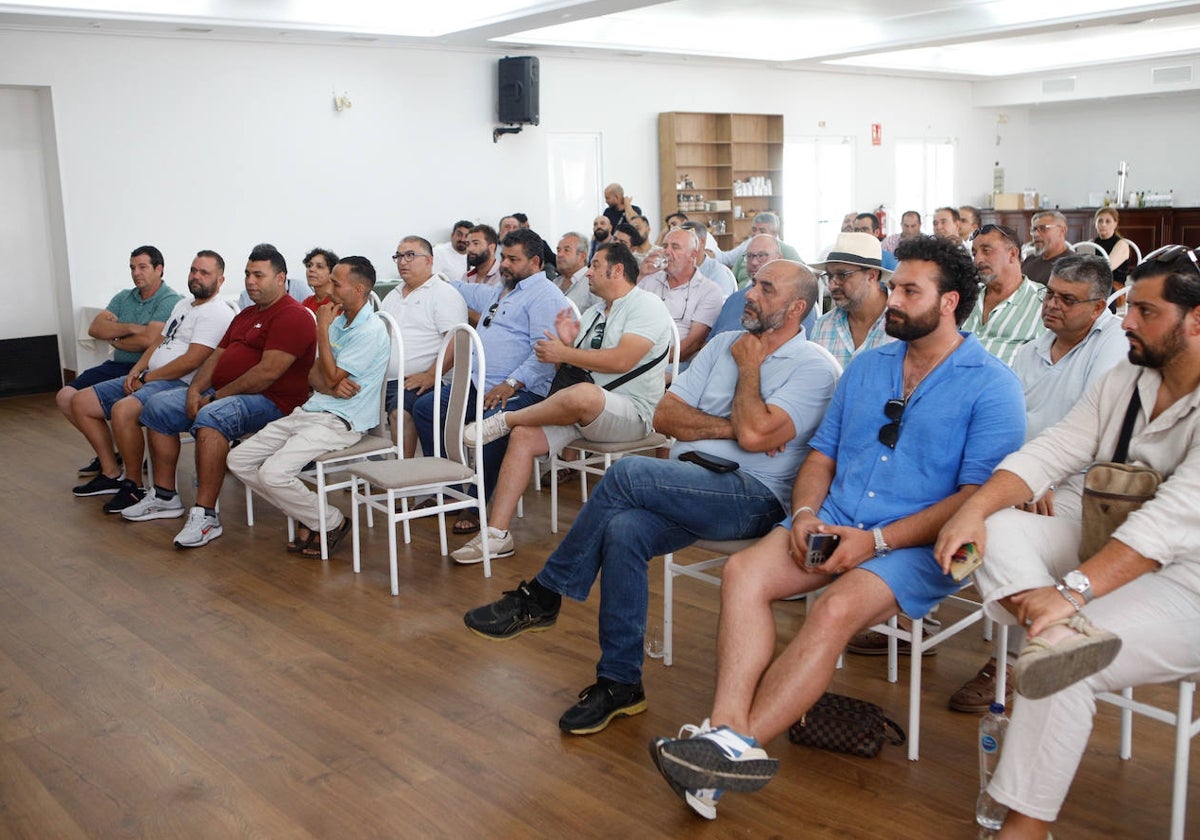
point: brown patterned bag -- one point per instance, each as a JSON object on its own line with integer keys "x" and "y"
{"x": 846, "y": 724}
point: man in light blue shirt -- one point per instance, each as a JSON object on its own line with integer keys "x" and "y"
{"x": 512, "y": 319}
{"x": 347, "y": 378}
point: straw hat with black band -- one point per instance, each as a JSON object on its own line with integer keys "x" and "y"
{"x": 860, "y": 249}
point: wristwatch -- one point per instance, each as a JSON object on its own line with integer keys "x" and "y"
{"x": 881, "y": 546}
{"x": 1077, "y": 581}
{"x": 512, "y": 383}
{"x": 141, "y": 377}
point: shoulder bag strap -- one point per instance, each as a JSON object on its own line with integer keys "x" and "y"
{"x": 1135, "y": 403}
{"x": 636, "y": 372}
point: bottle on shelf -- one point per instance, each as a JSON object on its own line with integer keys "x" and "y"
{"x": 989, "y": 813}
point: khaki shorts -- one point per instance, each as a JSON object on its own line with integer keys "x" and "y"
{"x": 617, "y": 423}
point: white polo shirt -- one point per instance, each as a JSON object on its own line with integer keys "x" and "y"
{"x": 425, "y": 315}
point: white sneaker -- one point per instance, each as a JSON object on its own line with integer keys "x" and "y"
{"x": 492, "y": 428}
{"x": 152, "y": 507}
{"x": 201, "y": 529}
{"x": 500, "y": 544}
{"x": 703, "y": 801}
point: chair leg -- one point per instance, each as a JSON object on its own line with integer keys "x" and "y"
{"x": 1183, "y": 743}
{"x": 354, "y": 523}
{"x": 391, "y": 500}
{"x": 914, "y": 689}
{"x": 1127, "y": 726}
{"x": 249, "y": 507}
{"x": 668, "y": 602}
{"x": 553, "y": 494}
{"x": 1001, "y": 660}
{"x": 322, "y": 519}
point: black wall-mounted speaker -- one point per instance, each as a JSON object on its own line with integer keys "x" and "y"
{"x": 518, "y": 94}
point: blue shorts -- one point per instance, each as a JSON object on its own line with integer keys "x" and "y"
{"x": 111, "y": 391}
{"x": 234, "y": 417}
{"x": 393, "y": 397}
{"x": 101, "y": 373}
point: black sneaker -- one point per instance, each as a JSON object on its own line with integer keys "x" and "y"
{"x": 101, "y": 485}
{"x": 92, "y": 467}
{"x": 599, "y": 704}
{"x": 128, "y": 496}
{"x": 516, "y": 613}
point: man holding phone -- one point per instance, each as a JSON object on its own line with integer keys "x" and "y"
{"x": 914, "y": 428}
{"x": 742, "y": 415}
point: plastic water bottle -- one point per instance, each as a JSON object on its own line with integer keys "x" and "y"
{"x": 988, "y": 812}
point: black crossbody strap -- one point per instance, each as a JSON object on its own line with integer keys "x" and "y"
{"x": 583, "y": 335}
{"x": 636, "y": 372}
{"x": 1135, "y": 403}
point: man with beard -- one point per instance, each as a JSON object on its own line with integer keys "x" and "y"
{"x": 1049, "y": 232}
{"x": 1009, "y": 312}
{"x": 602, "y": 229}
{"x": 855, "y": 275}
{"x": 1141, "y": 585}
{"x": 450, "y": 258}
{"x": 914, "y": 427}
{"x": 193, "y": 330}
{"x": 482, "y": 265}
{"x": 741, "y": 415}
{"x": 693, "y": 300}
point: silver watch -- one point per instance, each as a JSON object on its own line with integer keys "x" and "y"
{"x": 1077, "y": 581}
{"x": 881, "y": 546}
{"x": 512, "y": 383}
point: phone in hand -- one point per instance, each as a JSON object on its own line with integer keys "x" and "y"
{"x": 964, "y": 561}
{"x": 820, "y": 547}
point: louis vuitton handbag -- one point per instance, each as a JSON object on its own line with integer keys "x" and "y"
{"x": 1114, "y": 489}
{"x": 846, "y": 724}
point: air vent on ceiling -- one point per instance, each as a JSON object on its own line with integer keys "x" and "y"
{"x": 1171, "y": 75}
{"x": 1065, "y": 85}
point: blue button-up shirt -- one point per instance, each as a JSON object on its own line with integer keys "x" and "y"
{"x": 361, "y": 348}
{"x": 519, "y": 321}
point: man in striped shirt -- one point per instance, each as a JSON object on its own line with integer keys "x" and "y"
{"x": 1009, "y": 312}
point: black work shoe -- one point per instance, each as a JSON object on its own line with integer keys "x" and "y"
{"x": 128, "y": 496}
{"x": 101, "y": 485}
{"x": 92, "y": 467}
{"x": 516, "y": 613}
{"x": 599, "y": 704}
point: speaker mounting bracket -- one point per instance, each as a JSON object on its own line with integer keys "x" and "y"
{"x": 496, "y": 132}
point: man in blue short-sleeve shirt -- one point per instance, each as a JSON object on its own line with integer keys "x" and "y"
{"x": 914, "y": 428}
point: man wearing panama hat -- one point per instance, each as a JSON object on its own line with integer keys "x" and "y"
{"x": 854, "y": 274}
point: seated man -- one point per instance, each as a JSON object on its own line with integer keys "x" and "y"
{"x": 750, "y": 401}
{"x": 258, "y": 373}
{"x": 693, "y": 300}
{"x": 132, "y": 321}
{"x": 915, "y": 426}
{"x": 512, "y": 319}
{"x": 352, "y": 358}
{"x": 1140, "y": 586}
{"x": 710, "y": 267}
{"x": 425, "y": 307}
{"x": 625, "y": 343}
{"x": 193, "y": 330}
{"x": 856, "y": 278}
{"x": 762, "y": 249}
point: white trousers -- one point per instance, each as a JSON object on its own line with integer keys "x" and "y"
{"x": 270, "y": 462}
{"x": 1158, "y": 622}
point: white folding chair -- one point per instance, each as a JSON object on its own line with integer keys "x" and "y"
{"x": 1186, "y": 726}
{"x": 699, "y": 570}
{"x": 603, "y": 454}
{"x": 385, "y": 486}
{"x": 1087, "y": 246}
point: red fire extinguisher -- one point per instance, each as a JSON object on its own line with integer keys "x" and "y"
{"x": 881, "y": 214}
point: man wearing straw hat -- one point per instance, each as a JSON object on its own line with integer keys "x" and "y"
{"x": 854, "y": 274}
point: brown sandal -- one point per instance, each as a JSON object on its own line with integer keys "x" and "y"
{"x": 466, "y": 524}
{"x": 298, "y": 545}
{"x": 332, "y": 538}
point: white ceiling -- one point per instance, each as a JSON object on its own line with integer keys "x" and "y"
{"x": 970, "y": 39}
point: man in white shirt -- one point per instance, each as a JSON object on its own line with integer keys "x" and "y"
{"x": 192, "y": 330}
{"x": 1142, "y": 585}
{"x": 693, "y": 300}
{"x": 450, "y": 258}
{"x": 482, "y": 265}
{"x": 425, "y": 307}
{"x": 572, "y": 261}
{"x": 710, "y": 267}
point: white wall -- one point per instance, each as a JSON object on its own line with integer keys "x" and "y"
{"x": 192, "y": 144}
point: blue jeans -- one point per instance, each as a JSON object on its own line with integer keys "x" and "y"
{"x": 644, "y": 507}
{"x": 234, "y": 417}
{"x": 493, "y": 453}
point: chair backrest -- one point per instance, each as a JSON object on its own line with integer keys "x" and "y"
{"x": 575, "y": 309}
{"x": 375, "y": 301}
{"x": 1137, "y": 252}
{"x": 396, "y": 351}
{"x": 676, "y": 350}
{"x": 1087, "y": 246}
{"x": 1118, "y": 294}
{"x": 466, "y": 344}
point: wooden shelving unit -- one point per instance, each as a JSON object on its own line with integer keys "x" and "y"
{"x": 712, "y": 152}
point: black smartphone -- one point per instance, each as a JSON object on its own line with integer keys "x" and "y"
{"x": 709, "y": 462}
{"x": 820, "y": 547}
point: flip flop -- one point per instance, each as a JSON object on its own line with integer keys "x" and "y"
{"x": 332, "y": 538}
{"x": 466, "y": 525}
{"x": 299, "y": 544}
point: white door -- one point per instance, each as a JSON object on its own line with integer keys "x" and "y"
{"x": 575, "y": 182}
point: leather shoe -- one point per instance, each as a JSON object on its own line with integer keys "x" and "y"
{"x": 874, "y": 643}
{"x": 979, "y": 692}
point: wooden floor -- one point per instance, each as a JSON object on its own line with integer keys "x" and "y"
{"x": 236, "y": 690}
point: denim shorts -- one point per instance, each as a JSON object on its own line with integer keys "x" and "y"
{"x": 234, "y": 417}
{"x": 112, "y": 390}
{"x": 393, "y": 397}
{"x": 101, "y": 373}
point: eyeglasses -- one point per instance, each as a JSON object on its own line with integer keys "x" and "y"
{"x": 598, "y": 338}
{"x": 1049, "y": 296}
{"x": 1007, "y": 233}
{"x": 1044, "y": 228}
{"x": 758, "y": 255}
{"x": 837, "y": 278}
{"x": 487, "y": 319}
{"x": 893, "y": 410}
{"x": 1170, "y": 253}
{"x": 407, "y": 256}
